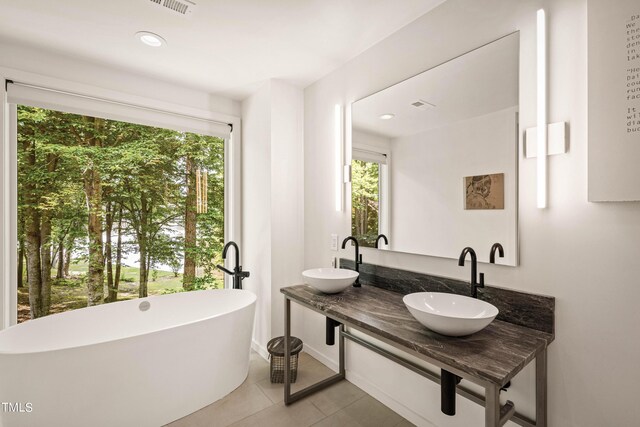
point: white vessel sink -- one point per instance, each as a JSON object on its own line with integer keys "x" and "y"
{"x": 450, "y": 314}
{"x": 330, "y": 280}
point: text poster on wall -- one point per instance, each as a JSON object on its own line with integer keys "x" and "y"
{"x": 614, "y": 100}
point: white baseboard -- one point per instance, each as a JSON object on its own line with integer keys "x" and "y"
{"x": 320, "y": 357}
{"x": 262, "y": 351}
{"x": 371, "y": 389}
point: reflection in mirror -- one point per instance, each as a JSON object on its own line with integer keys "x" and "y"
{"x": 434, "y": 160}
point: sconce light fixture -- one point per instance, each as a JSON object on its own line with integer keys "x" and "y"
{"x": 545, "y": 139}
{"x": 338, "y": 142}
{"x": 542, "y": 110}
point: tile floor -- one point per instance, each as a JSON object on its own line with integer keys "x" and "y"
{"x": 257, "y": 402}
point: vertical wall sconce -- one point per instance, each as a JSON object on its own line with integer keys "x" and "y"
{"x": 347, "y": 150}
{"x": 544, "y": 139}
{"x": 338, "y": 147}
{"x": 542, "y": 110}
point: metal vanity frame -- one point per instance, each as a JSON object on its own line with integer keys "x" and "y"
{"x": 496, "y": 415}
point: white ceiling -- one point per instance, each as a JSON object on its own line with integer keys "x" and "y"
{"x": 480, "y": 82}
{"x": 226, "y": 47}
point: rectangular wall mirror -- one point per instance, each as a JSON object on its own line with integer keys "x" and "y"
{"x": 435, "y": 158}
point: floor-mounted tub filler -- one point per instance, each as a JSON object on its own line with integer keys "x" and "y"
{"x": 143, "y": 362}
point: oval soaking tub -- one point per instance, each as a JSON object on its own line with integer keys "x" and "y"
{"x": 143, "y": 362}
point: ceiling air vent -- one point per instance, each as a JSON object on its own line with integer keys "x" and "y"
{"x": 183, "y": 7}
{"x": 422, "y": 105}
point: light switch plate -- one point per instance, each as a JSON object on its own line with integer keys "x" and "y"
{"x": 334, "y": 242}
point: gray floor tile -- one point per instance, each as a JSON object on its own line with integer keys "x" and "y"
{"x": 405, "y": 423}
{"x": 365, "y": 412}
{"x": 258, "y": 370}
{"x": 258, "y": 402}
{"x": 336, "y": 397}
{"x": 310, "y": 371}
{"x": 246, "y": 400}
{"x": 299, "y": 414}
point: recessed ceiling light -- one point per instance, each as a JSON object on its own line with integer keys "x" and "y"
{"x": 150, "y": 39}
{"x": 387, "y": 116}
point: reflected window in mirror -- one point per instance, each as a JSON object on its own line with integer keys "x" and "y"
{"x": 369, "y": 194}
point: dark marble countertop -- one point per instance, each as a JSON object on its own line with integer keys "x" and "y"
{"x": 495, "y": 354}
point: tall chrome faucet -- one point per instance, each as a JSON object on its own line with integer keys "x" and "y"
{"x": 237, "y": 273}
{"x": 474, "y": 268}
{"x": 358, "y": 259}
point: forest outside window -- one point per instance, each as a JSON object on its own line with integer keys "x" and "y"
{"x": 111, "y": 210}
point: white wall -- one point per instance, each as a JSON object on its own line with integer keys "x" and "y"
{"x": 361, "y": 137}
{"x": 582, "y": 253}
{"x": 273, "y": 205}
{"x": 82, "y": 73}
{"x": 287, "y": 200}
{"x": 256, "y": 206}
{"x": 427, "y": 188}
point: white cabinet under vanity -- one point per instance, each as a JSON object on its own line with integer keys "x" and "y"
{"x": 489, "y": 358}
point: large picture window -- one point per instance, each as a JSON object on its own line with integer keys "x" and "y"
{"x": 111, "y": 210}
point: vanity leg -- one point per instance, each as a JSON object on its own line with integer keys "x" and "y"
{"x": 541, "y": 389}
{"x": 289, "y": 397}
{"x": 492, "y": 406}
{"x": 287, "y": 350}
{"x": 341, "y": 368}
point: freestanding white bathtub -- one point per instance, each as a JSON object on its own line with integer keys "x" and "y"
{"x": 120, "y": 365}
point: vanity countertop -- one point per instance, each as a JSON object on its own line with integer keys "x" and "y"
{"x": 495, "y": 354}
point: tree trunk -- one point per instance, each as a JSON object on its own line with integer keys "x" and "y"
{"x": 113, "y": 291}
{"x": 32, "y": 235}
{"x": 93, "y": 193}
{"x": 60, "y": 269}
{"x": 107, "y": 250}
{"x": 21, "y": 263}
{"x": 142, "y": 289}
{"x": 142, "y": 244}
{"x": 67, "y": 258}
{"x": 95, "y": 274}
{"x": 32, "y": 243}
{"x": 45, "y": 242}
{"x": 190, "y": 219}
{"x": 45, "y": 262}
{"x": 362, "y": 224}
{"x": 53, "y": 254}
{"x": 146, "y": 279}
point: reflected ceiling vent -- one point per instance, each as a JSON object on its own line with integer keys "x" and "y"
{"x": 423, "y": 105}
{"x": 183, "y": 7}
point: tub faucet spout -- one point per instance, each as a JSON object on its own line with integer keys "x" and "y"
{"x": 237, "y": 273}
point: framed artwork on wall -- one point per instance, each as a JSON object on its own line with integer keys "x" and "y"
{"x": 484, "y": 192}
